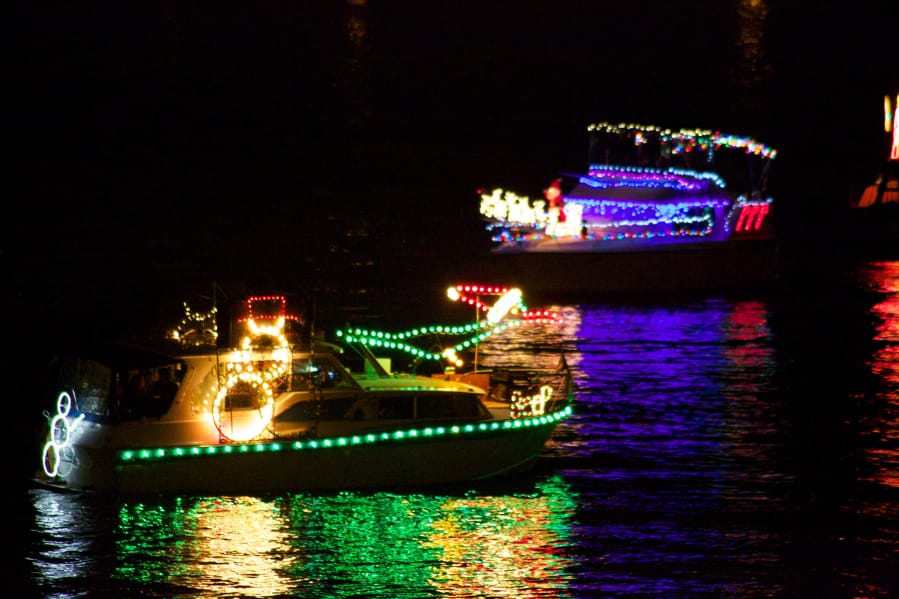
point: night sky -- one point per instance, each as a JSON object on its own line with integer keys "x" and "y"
{"x": 162, "y": 146}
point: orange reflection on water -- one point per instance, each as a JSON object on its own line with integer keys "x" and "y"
{"x": 497, "y": 547}
{"x": 240, "y": 545}
{"x": 538, "y": 345}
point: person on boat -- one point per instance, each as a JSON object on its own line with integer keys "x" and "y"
{"x": 135, "y": 395}
{"x": 161, "y": 395}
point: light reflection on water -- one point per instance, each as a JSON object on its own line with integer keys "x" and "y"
{"x": 881, "y": 423}
{"x": 513, "y": 544}
{"x": 711, "y": 453}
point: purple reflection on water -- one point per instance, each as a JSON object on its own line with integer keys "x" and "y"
{"x": 675, "y": 436}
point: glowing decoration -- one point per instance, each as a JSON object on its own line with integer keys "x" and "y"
{"x": 497, "y": 320}
{"x": 687, "y": 140}
{"x": 507, "y": 206}
{"x": 752, "y": 216}
{"x": 525, "y": 406}
{"x": 471, "y": 294}
{"x": 504, "y": 305}
{"x": 58, "y": 452}
{"x": 634, "y": 177}
{"x": 541, "y": 317}
{"x": 450, "y": 356}
{"x": 244, "y": 404}
{"x": 888, "y": 114}
{"x": 885, "y": 187}
{"x": 890, "y": 124}
{"x": 196, "y": 328}
{"x": 401, "y": 341}
{"x": 628, "y": 203}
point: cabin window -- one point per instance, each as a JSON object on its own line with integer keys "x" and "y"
{"x": 450, "y": 406}
{"x": 329, "y": 408}
{"x": 325, "y": 373}
{"x": 90, "y": 381}
{"x": 434, "y": 406}
{"x": 298, "y": 412}
{"x": 396, "y": 407}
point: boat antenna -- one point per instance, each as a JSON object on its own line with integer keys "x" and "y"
{"x": 215, "y": 290}
{"x": 314, "y": 383}
{"x": 477, "y": 323}
{"x": 312, "y": 319}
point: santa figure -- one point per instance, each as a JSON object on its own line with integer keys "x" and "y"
{"x": 553, "y": 195}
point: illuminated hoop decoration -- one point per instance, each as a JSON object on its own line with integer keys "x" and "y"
{"x": 244, "y": 405}
{"x": 58, "y": 450}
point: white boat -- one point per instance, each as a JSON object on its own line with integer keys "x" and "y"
{"x": 653, "y": 212}
{"x": 273, "y": 413}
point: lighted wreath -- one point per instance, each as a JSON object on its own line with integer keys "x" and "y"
{"x": 243, "y": 406}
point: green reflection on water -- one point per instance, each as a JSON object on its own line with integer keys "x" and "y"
{"x": 507, "y": 543}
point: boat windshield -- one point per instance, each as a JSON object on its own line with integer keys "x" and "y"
{"x": 118, "y": 383}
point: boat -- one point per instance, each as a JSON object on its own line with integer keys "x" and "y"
{"x": 873, "y": 214}
{"x": 281, "y": 408}
{"x": 656, "y": 211}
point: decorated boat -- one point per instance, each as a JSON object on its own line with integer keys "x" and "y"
{"x": 657, "y": 210}
{"x": 278, "y": 408}
{"x": 874, "y": 213}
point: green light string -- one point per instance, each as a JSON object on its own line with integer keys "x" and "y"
{"x": 132, "y": 456}
{"x": 398, "y": 341}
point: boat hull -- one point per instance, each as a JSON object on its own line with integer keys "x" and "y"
{"x": 547, "y": 274}
{"x": 341, "y": 467}
{"x": 397, "y": 459}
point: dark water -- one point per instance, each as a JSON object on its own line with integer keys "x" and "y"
{"x": 721, "y": 446}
